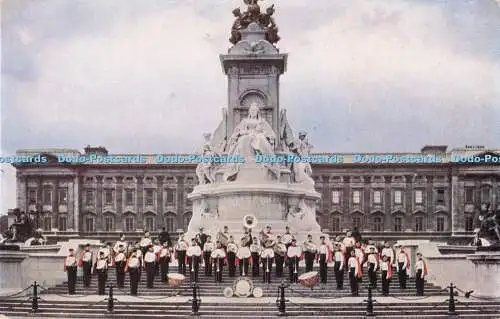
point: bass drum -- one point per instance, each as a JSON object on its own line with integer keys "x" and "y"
{"x": 228, "y": 292}
{"x": 257, "y": 292}
{"x": 243, "y": 287}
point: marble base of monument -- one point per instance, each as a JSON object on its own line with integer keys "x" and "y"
{"x": 486, "y": 276}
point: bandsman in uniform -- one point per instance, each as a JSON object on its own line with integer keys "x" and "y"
{"x": 267, "y": 257}
{"x": 218, "y": 256}
{"x": 194, "y": 256}
{"x": 349, "y": 243}
{"x": 402, "y": 266}
{"x": 310, "y": 250}
{"x": 101, "y": 267}
{"x": 287, "y": 237}
{"x": 360, "y": 253}
{"x": 388, "y": 252}
{"x": 201, "y": 238}
{"x": 280, "y": 251}
{"x": 180, "y": 254}
{"x": 243, "y": 254}
{"x": 223, "y": 237}
{"x": 372, "y": 265}
{"x": 109, "y": 254}
{"x": 208, "y": 248}
{"x": 156, "y": 249}
{"x": 324, "y": 257}
{"x": 122, "y": 242}
{"x": 120, "y": 261}
{"x": 338, "y": 266}
{"x": 145, "y": 243}
{"x": 386, "y": 274}
{"x": 165, "y": 258}
{"x": 294, "y": 255}
{"x": 150, "y": 266}
{"x": 70, "y": 267}
{"x": 133, "y": 267}
{"x": 255, "y": 250}
{"x": 421, "y": 270}
{"x": 85, "y": 262}
{"x": 232, "y": 249}
{"x": 354, "y": 273}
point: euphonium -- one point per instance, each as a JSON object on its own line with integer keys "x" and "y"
{"x": 249, "y": 221}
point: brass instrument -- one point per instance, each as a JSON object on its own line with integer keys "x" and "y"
{"x": 310, "y": 247}
{"x": 280, "y": 249}
{"x": 223, "y": 238}
{"x": 249, "y": 221}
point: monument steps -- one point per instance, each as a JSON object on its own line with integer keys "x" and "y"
{"x": 78, "y": 309}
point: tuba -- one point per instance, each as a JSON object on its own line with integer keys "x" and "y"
{"x": 249, "y": 221}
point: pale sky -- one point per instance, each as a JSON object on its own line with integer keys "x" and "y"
{"x": 144, "y": 75}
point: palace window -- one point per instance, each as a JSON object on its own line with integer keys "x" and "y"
{"x": 129, "y": 197}
{"x": 356, "y": 197}
{"x": 440, "y": 196}
{"x": 31, "y": 196}
{"x": 469, "y": 223}
{"x": 378, "y": 224}
{"x": 485, "y": 195}
{"x": 89, "y": 197}
{"x": 63, "y": 196}
{"x": 377, "y": 197}
{"x": 62, "y": 224}
{"x": 469, "y": 195}
{"x": 398, "y": 224}
{"x": 47, "y": 196}
{"x": 47, "y": 223}
{"x": 419, "y": 223}
{"x": 419, "y": 197}
{"x": 109, "y": 223}
{"x": 440, "y": 223}
{"x": 335, "y": 197}
{"x": 335, "y": 221}
{"x": 108, "y": 197}
{"x": 149, "y": 223}
{"x": 89, "y": 224}
{"x": 398, "y": 197}
{"x": 356, "y": 222}
{"x": 170, "y": 222}
{"x": 150, "y": 197}
{"x": 129, "y": 224}
{"x": 170, "y": 198}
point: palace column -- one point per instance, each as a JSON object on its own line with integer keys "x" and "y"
{"x": 160, "y": 221}
{"x": 388, "y": 202}
{"x": 455, "y": 209}
{"x": 70, "y": 199}
{"x": 21, "y": 191}
{"x": 140, "y": 202}
{"x": 429, "y": 191}
{"x": 366, "y": 203}
{"x": 55, "y": 205}
{"x": 346, "y": 199}
{"x": 180, "y": 201}
{"x": 119, "y": 203}
{"x": 76, "y": 202}
{"x": 99, "y": 219}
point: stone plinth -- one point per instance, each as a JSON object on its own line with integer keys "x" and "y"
{"x": 12, "y": 277}
{"x": 486, "y": 275}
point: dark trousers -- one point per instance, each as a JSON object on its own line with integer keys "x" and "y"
{"x": 255, "y": 264}
{"x": 353, "y": 281}
{"x": 102, "y": 276}
{"x": 71, "y": 271}
{"x": 134, "y": 276}
{"x": 194, "y": 267}
{"x": 144, "y": 250}
{"x": 231, "y": 259}
{"x": 150, "y": 273}
{"x": 402, "y": 276}
{"x": 419, "y": 283}
{"x": 164, "y": 268}
{"x": 309, "y": 258}
{"x": 293, "y": 269}
{"x": 120, "y": 274}
{"x": 339, "y": 274}
{"x": 372, "y": 274}
{"x": 323, "y": 268}
{"x": 267, "y": 267}
{"x": 181, "y": 262}
{"x": 244, "y": 267}
{"x": 385, "y": 283}
{"x": 280, "y": 260}
{"x": 219, "y": 268}
{"x": 87, "y": 273}
{"x": 208, "y": 264}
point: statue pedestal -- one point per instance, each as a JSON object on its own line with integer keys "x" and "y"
{"x": 486, "y": 276}
{"x": 11, "y": 272}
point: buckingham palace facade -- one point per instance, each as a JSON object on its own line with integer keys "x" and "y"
{"x": 408, "y": 200}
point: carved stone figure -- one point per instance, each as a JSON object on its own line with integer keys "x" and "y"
{"x": 253, "y": 136}
{"x": 301, "y": 217}
{"x": 253, "y": 14}
{"x": 205, "y": 169}
{"x": 490, "y": 225}
{"x": 302, "y": 170}
{"x": 21, "y": 229}
{"x": 267, "y": 21}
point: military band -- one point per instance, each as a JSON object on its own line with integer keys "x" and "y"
{"x": 249, "y": 253}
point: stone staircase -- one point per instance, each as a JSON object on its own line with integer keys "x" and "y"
{"x": 209, "y": 288}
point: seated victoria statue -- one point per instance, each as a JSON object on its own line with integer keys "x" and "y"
{"x": 253, "y": 136}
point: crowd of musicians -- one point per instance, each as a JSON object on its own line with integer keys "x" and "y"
{"x": 255, "y": 256}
